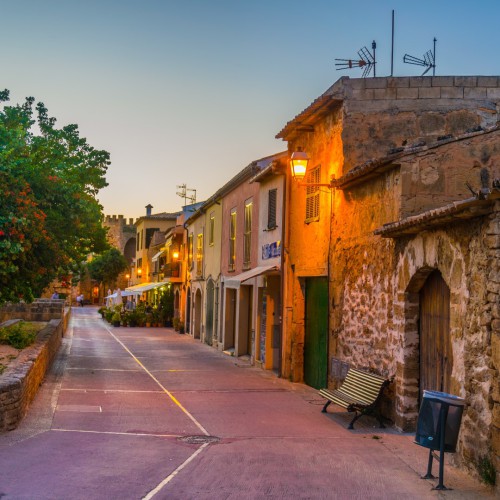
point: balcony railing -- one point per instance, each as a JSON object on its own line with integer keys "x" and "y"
{"x": 172, "y": 270}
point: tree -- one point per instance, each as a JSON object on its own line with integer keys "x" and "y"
{"x": 50, "y": 219}
{"x": 107, "y": 267}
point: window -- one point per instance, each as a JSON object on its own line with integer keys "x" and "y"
{"x": 211, "y": 230}
{"x": 138, "y": 242}
{"x": 247, "y": 235}
{"x": 149, "y": 235}
{"x": 271, "y": 208}
{"x": 232, "y": 240}
{"x": 199, "y": 255}
{"x": 312, "y": 195}
{"x": 190, "y": 250}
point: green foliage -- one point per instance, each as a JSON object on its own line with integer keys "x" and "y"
{"x": 19, "y": 335}
{"x": 50, "y": 219}
{"x": 487, "y": 471}
{"x": 106, "y": 267}
{"x": 166, "y": 305}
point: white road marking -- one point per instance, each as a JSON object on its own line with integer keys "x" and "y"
{"x": 152, "y": 493}
{"x": 165, "y": 390}
{"x": 140, "y": 434}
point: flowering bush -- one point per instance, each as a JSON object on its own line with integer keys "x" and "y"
{"x": 50, "y": 219}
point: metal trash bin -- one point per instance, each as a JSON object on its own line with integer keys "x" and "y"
{"x": 438, "y": 426}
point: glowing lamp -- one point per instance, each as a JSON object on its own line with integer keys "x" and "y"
{"x": 175, "y": 254}
{"x": 298, "y": 163}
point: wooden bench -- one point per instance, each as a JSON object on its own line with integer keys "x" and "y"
{"x": 360, "y": 393}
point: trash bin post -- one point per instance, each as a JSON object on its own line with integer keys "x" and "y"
{"x": 443, "y": 416}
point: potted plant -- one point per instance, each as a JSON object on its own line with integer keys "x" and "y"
{"x": 176, "y": 324}
{"x": 181, "y": 327}
{"x": 116, "y": 319}
{"x": 101, "y": 311}
{"x": 108, "y": 315}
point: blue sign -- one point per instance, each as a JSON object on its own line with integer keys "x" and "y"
{"x": 271, "y": 250}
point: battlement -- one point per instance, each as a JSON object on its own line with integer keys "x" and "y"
{"x": 118, "y": 219}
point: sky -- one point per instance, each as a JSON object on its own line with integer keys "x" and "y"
{"x": 192, "y": 91}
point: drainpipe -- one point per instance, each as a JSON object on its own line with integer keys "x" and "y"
{"x": 284, "y": 274}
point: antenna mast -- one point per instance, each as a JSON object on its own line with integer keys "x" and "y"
{"x": 183, "y": 193}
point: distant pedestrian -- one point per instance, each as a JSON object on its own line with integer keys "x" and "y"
{"x": 55, "y": 295}
{"x": 81, "y": 299}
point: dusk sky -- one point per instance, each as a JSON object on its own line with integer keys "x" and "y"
{"x": 191, "y": 91}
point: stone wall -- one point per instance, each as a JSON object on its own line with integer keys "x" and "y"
{"x": 39, "y": 310}
{"x": 381, "y": 114}
{"x": 21, "y": 381}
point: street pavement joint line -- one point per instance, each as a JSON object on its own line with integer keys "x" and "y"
{"x": 111, "y": 391}
{"x": 80, "y": 408}
{"x": 152, "y": 493}
{"x": 165, "y": 390}
{"x": 135, "y": 434}
{"x": 104, "y": 369}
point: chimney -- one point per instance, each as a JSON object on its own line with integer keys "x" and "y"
{"x": 148, "y": 210}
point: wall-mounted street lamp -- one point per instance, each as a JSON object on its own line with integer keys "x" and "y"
{"x": 175, "y": 255}
{"x": 128, "y": 279}
{"x": 298, "y": 163}
{"x": 139, "y": 272}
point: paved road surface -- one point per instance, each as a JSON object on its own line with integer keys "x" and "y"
{"x": 132, "y": 413}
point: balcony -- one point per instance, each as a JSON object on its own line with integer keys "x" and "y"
{"x": 172, "y": 270}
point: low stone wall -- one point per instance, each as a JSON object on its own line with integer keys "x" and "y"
{"x": 39, "y": 310}
{"x": 20, "y": 382}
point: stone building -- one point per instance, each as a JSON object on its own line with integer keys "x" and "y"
{"x": 121, "y": 235}
{"x": 403, "y": 239}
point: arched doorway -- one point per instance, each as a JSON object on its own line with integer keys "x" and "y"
{"x": 197, "y": 315}
{"x": 436, "y": 356}
{"x": 209, "y": 321}
{"x": 177, "y": 311}
{"x": 188, "y": 310}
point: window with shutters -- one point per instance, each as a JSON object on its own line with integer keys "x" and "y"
{"x": 211, "y": 230}
{"x": 271, "y": 208}
{"x": 232, "y": 240}
{"x": 312, "y": 195}
{"x": 247, "y": 235}
{"x": 199, "y": 255}
{"x": 190, "y": 250}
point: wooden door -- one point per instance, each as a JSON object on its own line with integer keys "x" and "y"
{"x": 436, "y": 357}
{"x": 316, "y": 333}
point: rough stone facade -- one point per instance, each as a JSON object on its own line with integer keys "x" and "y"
{"x": 121, "y": 235}
{"x": 413, "y": 163}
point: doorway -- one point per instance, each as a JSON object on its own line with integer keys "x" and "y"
{"x": 436, "y": 356}
{"x": 316, "y": 332}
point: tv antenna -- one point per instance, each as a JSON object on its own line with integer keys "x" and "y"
{"x": 428, "y": 62}
{"x": 183, "y": 193}
{"x": 366, "y": 60}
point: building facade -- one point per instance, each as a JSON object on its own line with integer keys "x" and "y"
{"x": 404, "y": 268}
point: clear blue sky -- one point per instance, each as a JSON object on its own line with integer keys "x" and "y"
{"x": 191, "y": 91}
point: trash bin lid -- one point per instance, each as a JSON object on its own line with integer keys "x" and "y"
{"x": 443, "y": 396}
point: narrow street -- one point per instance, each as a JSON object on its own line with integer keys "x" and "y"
{"x": 132, "y": 413}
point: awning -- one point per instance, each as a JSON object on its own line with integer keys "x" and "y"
{"x": 236, "y": 281}
{"x": 156, "y": 255}
{"x": 125, "y": 293}
{"x": 143, "y": 287}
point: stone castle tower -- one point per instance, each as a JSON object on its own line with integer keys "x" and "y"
{"x": 121, "y": 234}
